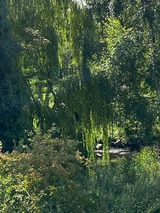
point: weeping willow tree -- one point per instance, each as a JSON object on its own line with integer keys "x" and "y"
{"x": 58, "y": 40}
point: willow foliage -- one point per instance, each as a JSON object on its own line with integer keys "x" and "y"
{"x": 89, "y": 68}
{"x": 58, "y": 38}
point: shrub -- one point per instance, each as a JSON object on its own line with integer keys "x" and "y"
{"x": 130, "y": 185}
{"x": 54, "y": 177}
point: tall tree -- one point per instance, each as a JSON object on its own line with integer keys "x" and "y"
{"x": 130, "y": 62}
{"x": 12, "y": 90}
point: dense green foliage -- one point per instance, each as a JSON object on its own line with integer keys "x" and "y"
{"x": 90, "y": 69}
{"x": 93, "y": 69}
{"x": 54, "y": 177}
{"x": 13, "y": 95}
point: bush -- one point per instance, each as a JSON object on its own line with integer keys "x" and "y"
{"x": 49, "y": 178}
{"x": 54, "y": 177}
{"x": 131, "y": 184}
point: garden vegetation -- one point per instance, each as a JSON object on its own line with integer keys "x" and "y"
{"x": 75, "y": 75}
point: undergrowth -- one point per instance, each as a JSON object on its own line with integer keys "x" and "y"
{"x": 54, "y": 177}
